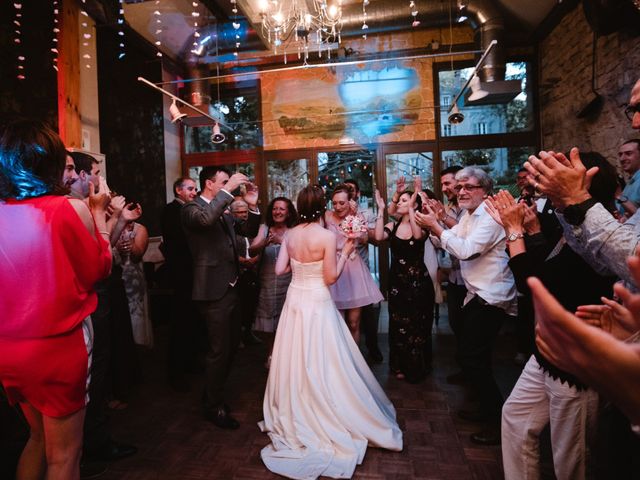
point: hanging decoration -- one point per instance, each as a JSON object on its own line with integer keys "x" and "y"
{"x": 157, "y": 14}
{"x": 121, "y": 50}
{"x": 414, "y": 13}
{"x": 56, "y": 30}
{"x": 234, "y": 10}
{"x": 365, "y": 27}
{"x": 300, "y": 22}
{"x": 86, "y": 35}
{"x": 17, "y": 39}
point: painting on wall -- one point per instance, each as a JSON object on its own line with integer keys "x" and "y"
{"x": 360, "y": 102}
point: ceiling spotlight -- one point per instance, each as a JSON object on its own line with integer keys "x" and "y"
{"x": 176, "y": 114}
{"x": 476, "y": 90}
{"x": 455, "y": 116}
{"x": 216, "y": 136}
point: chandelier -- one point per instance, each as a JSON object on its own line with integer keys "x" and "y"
{"x": 307, "y": 25}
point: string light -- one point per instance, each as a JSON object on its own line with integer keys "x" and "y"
{"x": 158, "y": 16}
{"x": 195, "y": 15}
{"x": 86, "y": 35}
{"x": 414, "y": 13}
{"x": 365, "y": 27}
{"x": 17, "y": 39}
{"x": 121, "y": 49}
{"x": 56, "y": 30}
{"x": 234, "y": 10}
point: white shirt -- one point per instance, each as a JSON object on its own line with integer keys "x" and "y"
{"x": 480, "y": 244}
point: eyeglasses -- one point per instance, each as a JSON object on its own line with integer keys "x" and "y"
{"x": 469, "y": 188}
{"x": 631, "y": 110}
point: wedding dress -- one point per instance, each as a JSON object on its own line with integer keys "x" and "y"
{"x": 322, "y": 405}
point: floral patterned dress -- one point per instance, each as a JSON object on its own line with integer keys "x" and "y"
{"x": 411, "y": 297}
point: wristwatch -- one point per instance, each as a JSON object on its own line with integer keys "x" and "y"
{"x": 622, "y": 199}
{"x": 514, "y": 236}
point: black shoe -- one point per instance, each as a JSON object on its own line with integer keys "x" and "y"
{"x": 221, "y": 418}
{"x": 457, "y": 378}
{"x": 376, "y": 356}
{"x": 250, "y": 339}
{"x": 489, "y": 436}
{"x": 112, "y": 452}
{"x": 472, "y": 415}
{"x": 92, "y": 469}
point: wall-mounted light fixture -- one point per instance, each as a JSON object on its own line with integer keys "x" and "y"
{"x": 454, "y": 112}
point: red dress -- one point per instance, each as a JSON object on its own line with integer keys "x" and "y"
{"x": 49, "y": 264}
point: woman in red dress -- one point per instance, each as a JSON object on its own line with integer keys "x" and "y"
{"x": 52, "y": 250}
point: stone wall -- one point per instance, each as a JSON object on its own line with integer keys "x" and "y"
{"x": 565, "y": 86}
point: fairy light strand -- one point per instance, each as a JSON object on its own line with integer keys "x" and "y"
{"x": 17, "y": 39}
{"x": 86, "y": 36}
{"x": 121, "y": 45}
{"x": 56, "y": 30}
{"x": 414, "y": 13}
{"x": 157, "y": 14}
{"x": 365, "y": 27}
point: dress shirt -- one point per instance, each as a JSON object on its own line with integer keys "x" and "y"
{"x": 455, "y": 275}
{"x": 480, "y": 244}
{"x": 604, "y": 242}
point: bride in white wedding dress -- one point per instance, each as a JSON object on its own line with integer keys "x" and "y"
{"x": 322, "y": 405}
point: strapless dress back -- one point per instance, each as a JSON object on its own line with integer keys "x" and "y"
{"x": 322, "y": 405}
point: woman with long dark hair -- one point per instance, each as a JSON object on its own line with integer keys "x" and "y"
{"x": 53, "y": 250}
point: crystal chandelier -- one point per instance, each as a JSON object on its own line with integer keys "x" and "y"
{"x": 291, "y": 22}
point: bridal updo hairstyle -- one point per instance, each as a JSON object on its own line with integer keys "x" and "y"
{"x": 311, "y": 203}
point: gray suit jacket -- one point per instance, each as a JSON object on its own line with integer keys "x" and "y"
{"x": 213, "y": 243}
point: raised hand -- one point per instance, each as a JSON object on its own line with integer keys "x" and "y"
{"x": 401, "y": 184}
{"x": 417, "y": 183}
{"x": 531, "y": 222}
{"x": 132, "y": 212}
{"x": 379, "y": 201}
{"x": 99, "y": 200}
{"x": 116, "y": 205}
{"x": 251, "y": 195}
{"x": 612, "y": 317}
{"x": 236, "y": 180}
{"x": 493, "y": 210}
{"x": 564, "y": 181}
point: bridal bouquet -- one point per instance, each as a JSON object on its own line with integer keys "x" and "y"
{"x": 352, "y": 226}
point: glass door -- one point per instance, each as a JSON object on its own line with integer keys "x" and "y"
{"x": 359, "y": 165}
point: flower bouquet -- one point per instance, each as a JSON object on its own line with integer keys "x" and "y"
{"x": 352, "y": 226}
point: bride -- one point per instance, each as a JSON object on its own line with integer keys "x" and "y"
{"x": 322, "y": 405}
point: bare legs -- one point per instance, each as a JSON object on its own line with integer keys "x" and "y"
{"x": 54, "y": 446}
{"x": 352, "y": 317}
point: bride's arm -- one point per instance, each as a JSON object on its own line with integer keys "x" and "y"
{"x": 331, "y": 269}
{"x": 282, "y": 264}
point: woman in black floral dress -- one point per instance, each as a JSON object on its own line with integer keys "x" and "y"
{"x": 411, "y": 293}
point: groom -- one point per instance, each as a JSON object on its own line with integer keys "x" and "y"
{"x": 212, "y": 239}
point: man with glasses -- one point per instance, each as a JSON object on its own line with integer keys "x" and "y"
{"x": 590, "y": 230}
{"x": 480, "y": 244}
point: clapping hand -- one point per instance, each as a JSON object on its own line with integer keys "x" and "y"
{"x": 400, "y": 185}
{"x": 131, "y": 212}
{"x": 427, "y": 218}
{"x": 417, "y": 183}
{"x": 98, "y": 200}
{"x": 349, "y": 247}
{"x": 503, "y": 209}
{"x": 531, "y": 222}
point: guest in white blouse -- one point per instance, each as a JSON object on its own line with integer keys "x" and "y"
{"x": 479, "y": 242}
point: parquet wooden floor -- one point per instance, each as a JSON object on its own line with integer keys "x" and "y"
{"x": 176, "y": 443}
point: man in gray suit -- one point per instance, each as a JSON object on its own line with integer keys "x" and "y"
{"x": 213, "y": 242}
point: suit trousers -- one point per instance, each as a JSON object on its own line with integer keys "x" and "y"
{"x": 538, "y": 399}
{"x": 223, "y": 330}
{"x": 478, "y": 331}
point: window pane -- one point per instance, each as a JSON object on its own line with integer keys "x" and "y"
{"x": 515, "y": 116}
{"x": 502, "y": 164}
{"x": 287, "y": 177}
{"x": 408, "y": 165}
{"x": 239, "y": 112}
